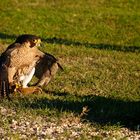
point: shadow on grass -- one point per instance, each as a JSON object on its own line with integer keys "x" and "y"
{"x": 102, "y": 110}
{"x": 69, "y": 42}
{"x": 92, "y": 45}
{"x": 6, "y": 36}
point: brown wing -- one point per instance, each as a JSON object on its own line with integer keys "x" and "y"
{"x": 4, "y": 70}
{"x": 46, "y": 68}
{"x": 4, "y": 83}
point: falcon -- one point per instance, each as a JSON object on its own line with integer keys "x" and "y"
{"x": 20, "y": 54}
{"x": 21, "y": 61}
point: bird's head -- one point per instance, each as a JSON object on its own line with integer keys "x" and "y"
{"x": 31, "y": 39}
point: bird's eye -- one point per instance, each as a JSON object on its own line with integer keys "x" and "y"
{"x": 35, "y": 40}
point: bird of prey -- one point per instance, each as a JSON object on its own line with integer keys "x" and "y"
{"x": 21, "y": 54}
{"x": 21, "y": 60}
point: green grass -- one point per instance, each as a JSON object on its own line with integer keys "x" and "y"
{"x": 97, "y": 43}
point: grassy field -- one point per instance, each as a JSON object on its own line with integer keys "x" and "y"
{"x": 98, "y": 44}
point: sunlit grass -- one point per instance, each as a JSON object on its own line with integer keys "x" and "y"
{"x": 97, "y": 43}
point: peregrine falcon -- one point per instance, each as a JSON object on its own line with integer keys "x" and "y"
{"x": 21, "y": 54}
{"x": 21, "y": 61}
